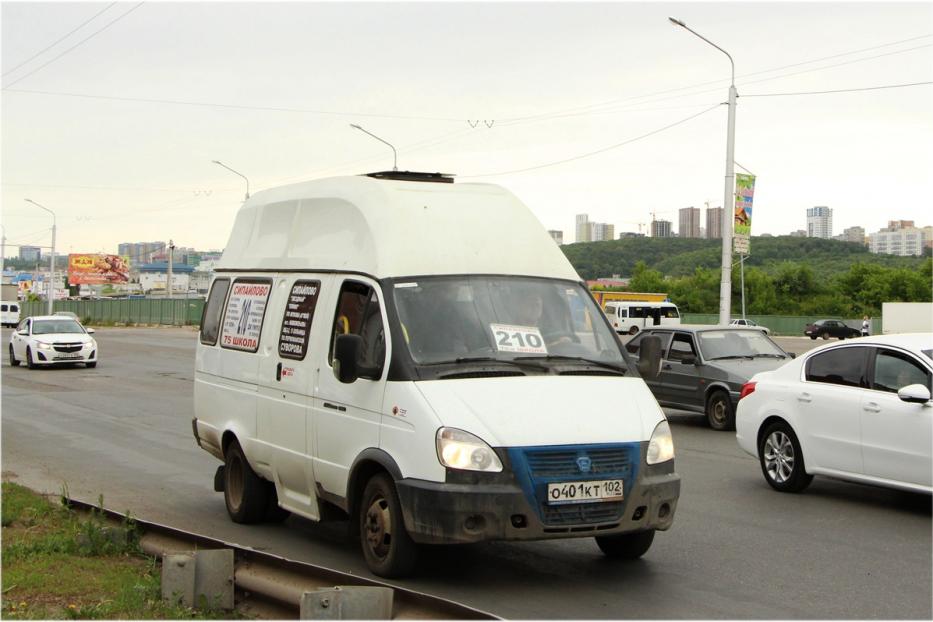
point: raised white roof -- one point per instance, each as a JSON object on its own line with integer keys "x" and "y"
{"x": 391, "y": 228}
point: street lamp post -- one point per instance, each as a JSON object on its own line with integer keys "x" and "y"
{"x": 218, "y": 162}
{"x": 394, "y": 152}
{"x": 728, "y": 202}
{"x": 52, "y": 262}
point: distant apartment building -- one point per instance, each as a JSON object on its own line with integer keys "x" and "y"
{"x": 140, "y": 252}
{"x": 30, "y": 253}
{"x": 593, "y": 231}
{"x": 627, "y": 235}
{"x": 852, "y": 234}
{"x": 820, "y": 222}
{"x": 713, "y": 223}
{"x": 600, "y": 231}
{"x": 799, "y": 233}
{"x": 557, "y": 236}
{"x": 689, "y": 222}
{"x": 662, "y": 229}
{"x": 583, "y": 228}
{"x": 900, "y": 237}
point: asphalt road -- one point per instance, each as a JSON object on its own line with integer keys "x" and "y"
{"x": 737, "y": 548}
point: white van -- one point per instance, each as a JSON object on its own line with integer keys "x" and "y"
{"x": 421, "y": 356}
{"x": 631, "y": 316}
{"x": 9, "y": 313}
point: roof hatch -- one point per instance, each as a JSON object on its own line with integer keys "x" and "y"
{"x": 442, "y": 178}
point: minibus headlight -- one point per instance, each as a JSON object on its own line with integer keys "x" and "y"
{"x": 661, "y": 446}
{"x": 457, "y": 449}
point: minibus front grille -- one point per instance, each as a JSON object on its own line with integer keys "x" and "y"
{"x": 583, "y": 513}
{"x": 536, "y": 467}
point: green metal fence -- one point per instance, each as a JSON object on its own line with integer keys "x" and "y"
{"x": 187, "y": 311}
{"x": 791, "y": 325}
{"x": 175, "y": 311}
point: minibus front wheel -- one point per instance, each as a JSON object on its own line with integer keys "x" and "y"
{"x": 388, "y": 549}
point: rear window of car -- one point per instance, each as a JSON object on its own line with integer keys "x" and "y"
{"x": 842, "y": 366}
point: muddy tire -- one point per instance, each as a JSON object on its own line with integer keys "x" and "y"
{"x": 245, "y": 493}
{"x": 388, "y": 549}
{"x": 719, "y": 411}
{"x": 13, "y": 361}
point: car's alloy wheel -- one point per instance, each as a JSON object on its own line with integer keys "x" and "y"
{"x": 29, "y": 362}
{"x": 782, "y": 460}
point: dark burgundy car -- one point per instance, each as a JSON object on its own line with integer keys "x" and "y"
{"x": 830, "y": 328}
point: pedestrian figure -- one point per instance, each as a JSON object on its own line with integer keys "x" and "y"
{"x": 866, "y": 326}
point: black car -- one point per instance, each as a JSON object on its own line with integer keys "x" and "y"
{"x": 704, "y": 367}
{"x": 830, "y": 328}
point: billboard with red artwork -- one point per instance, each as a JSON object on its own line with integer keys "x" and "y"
{"x": 97, "y": 269}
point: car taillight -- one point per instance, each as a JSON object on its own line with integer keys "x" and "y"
{"x": 747, "y": 389}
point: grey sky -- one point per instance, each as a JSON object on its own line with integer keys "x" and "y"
{"x": 117, "y": 171}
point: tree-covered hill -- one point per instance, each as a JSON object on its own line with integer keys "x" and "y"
{"x": 676, "y": 257}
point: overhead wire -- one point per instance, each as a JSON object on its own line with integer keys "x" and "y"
{"x": 585, "y": 108}
{"x": 867, "y": 88}
{"x": 59, "y": 40}
{"x": 178, "y": 102}
{"x": 81, "y": 42}
{"x": 598, "y": 151}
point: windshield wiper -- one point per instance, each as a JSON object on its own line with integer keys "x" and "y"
{"x": 732, "y": 356}
{"x": 582, "y": 359}
{"x": 771, "y": 356}
{"x": 488, "y": 359}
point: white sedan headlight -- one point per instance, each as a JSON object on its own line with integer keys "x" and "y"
{"x": 457, "y": 449}
{"x": 43, "y": 345}
{"x": 661, "y": 446}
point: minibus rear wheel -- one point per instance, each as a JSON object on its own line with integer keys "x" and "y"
{"x": 626, "y": 545}
{"x": 245, "y": 493}
{"x": 388, "y": 549}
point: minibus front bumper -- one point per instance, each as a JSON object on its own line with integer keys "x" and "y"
{"x": 504, "y": 507}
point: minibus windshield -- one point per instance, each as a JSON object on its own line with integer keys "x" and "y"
{"x": 454, "y": 319}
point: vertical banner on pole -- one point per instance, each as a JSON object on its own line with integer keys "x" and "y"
{"x": 744, "y": 192}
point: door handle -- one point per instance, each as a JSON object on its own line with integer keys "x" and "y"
{"x": 278, "y": 371}
{"x": 335, "y": 407}
{"x": 872, "y": 407}
{"x": 804, "y": 397}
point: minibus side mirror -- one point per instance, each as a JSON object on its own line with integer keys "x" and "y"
{"x": 348, "y": 367}
{"x": 649, "y": 360}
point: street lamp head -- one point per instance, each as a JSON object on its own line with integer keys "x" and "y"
{"x": 355, "y": 126}
{"x": 677, "y": 22}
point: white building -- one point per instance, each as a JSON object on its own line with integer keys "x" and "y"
{"x": 557, "y": 236}
{"x": 583, "y": 228}
{"x": 819, "y": 222}
{"x": 904, "y": 241}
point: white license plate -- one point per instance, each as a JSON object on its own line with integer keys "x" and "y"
{"x": 584, "y": 492}
{"x": 68, "y": 357}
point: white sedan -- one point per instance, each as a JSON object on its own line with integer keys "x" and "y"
{"x": 744, "y": 322}
{"x": 858, "y": 410}
{"x": 52, "y": 340}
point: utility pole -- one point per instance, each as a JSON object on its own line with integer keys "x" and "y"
{"x": 728, "y": 203}
{"x": 171, "y": 259}
{"x": 52, "y": 262}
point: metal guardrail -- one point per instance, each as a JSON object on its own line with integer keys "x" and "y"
{"x": 281, "y": 581}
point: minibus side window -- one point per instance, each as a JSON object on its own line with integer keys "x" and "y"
{"x": 210, "y": 317}
{"x": 245, "y": 314}
{"x": 358, "y": 313}
{"x": 296, "y": 321}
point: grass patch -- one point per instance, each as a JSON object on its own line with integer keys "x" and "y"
{"x": 60, "y": 565}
